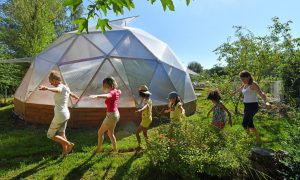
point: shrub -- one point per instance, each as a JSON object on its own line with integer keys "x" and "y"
{"x": 195, "y": 148}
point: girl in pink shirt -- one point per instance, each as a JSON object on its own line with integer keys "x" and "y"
{"x": 112, "y": 114}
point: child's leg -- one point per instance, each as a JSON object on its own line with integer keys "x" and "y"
{"x": 56, "y": 127}
{"x": 101, "y": 132}
{"x": 62, "y": 133}
{"x": 257, "y": 136}
{"x": 64, "y": 147}
{"x": 64, "y": 143}
{"x": 111, "y": 135}
{"x": 137, "y": 133}
{"x": 145, "y": 130}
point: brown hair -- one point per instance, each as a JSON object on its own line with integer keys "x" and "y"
{"x": 111, "y": 82}
{"x": 54, "y": 76}
{"x": 214, "y": 95}
{"x": 246, "y": 74}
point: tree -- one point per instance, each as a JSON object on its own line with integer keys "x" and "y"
{"x": 288, "y": 50}
{"x": 27, "y": 26}
{"x": 64, "y": 23}
{"x": 219, "y": 70}
{"x": 98, "y": 8}
{"x": 10, "y": 74}
{"x": 195, "y": 66}
{"x": 273, "y": 56}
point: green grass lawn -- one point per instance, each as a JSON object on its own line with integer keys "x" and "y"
{"x": 26, "y": 153}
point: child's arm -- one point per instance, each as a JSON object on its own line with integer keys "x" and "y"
{"x": 208, "y": 114}
{"x": 45, "y": 88}
{"x": 237, "y": 90}
{"x": 167, "y": 110}
{"x": 229, "y": 114}
{"x": 255, "y": 87}
{"x": 181, "y": 108}
{"x": 143, "y": 108}
{"x": 73, "y": 95}
{"x": 104, "y": 96}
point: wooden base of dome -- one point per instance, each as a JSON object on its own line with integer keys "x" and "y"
{"x": 84, "y": 117}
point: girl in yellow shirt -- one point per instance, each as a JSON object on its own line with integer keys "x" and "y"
{"x": 146, "y": 114}
{"x": 175, "y": 107}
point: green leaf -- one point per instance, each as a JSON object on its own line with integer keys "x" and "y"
{"x": 82, "y": 24}
{"x": 73, "y": 4}
{"x": 103, "y": 23}
{"x": 152, "y": 1}
{"x": 104, "y": 10}
{"x": 188, "y": 2}
{"x": 167, "y": 4}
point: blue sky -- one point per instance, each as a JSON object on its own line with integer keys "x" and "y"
{"x": 194, "y": 31}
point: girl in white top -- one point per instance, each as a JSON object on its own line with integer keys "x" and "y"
{"x": 250, "y": 90}
{"x": 58, "y": 125}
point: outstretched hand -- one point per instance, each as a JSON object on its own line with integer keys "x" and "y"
{"x": 75, "y": 97}
{"x": 43, "y": 88}
{"x": 92, "y": 96}
{"x": 268, "y": 105}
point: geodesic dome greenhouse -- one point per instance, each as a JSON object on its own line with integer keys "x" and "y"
{"x": 132, "y": 56}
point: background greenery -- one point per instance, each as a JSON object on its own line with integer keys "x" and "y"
{"x": 193, "y": 150}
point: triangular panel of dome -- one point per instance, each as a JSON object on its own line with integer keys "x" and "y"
{"x": 61, "y": 39}
{"x": 177, "y": 77}
{"x": 106, "y": 41}
{"x": 158, "y": 48}
{"x": 95, "y": 87}
{"x": 81, "y": 49}
{"x": 55, "y": 53}
{"x": 139, "y": 72}
{"x": 78, "y": 75}
{"x": 118, "y": 65}
{"x": 189, "y": 93}
{"x": 160, "y": 86}
{"x": 131, "y": 47}
{"x": 41, "y": 69}
{"x": 42, "y": 97}
{"x": 22, "y": 90}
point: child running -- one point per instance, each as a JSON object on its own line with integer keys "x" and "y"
{"x": 146, "y": 114}
{"x": 218, "y": 109}
{"x": 175, "y": 108}
{"x": 112, "y": 114}
{"x": 57, "y": 129}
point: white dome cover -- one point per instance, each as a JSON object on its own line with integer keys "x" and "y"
{"x": 132, "y": 56}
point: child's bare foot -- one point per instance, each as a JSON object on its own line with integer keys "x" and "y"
{"x": 97, "y": 151}
{"x": 69, "y": 148}
{"x": 115, "y": 151}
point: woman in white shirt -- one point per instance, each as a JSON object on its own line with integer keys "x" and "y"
{"x": 250, "y": 90}
{"x": 58, "y": 125}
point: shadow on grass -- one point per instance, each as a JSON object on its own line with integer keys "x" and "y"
{"x": 44, "y": 164}
{"x": 121, "y": 170}
{"x": 107, "y": 169}
{"x": 78, "y": 172}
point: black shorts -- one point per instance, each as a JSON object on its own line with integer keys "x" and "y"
{"x": 250, "y": 109}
